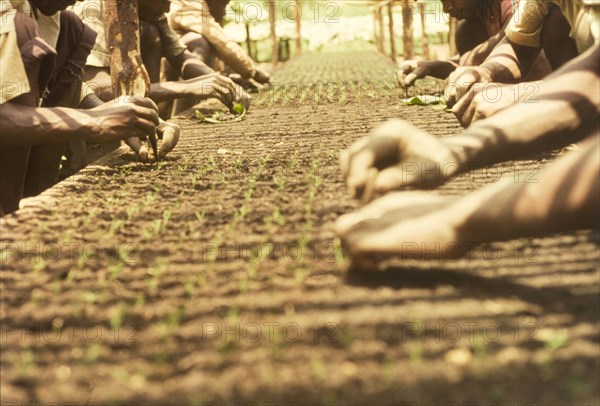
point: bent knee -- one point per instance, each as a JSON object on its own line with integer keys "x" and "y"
{"x": 198, "y": 45}
{"x": 469, "y": 34}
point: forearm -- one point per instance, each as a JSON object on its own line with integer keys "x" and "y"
{"x": 480, "y": 53}
{"x": 563, "y": 197}
{"x": 563, "y": 110}
{"x": 509, "y": 62}
{"x": 166, "y": 91}
{"x": 25, "y": 126}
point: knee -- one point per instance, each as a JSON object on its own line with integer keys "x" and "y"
{"x": 469, "y": 34}
{"x": 201, "y": 47}
{"x": 556, "y": 40}
{"x": 150, "y": 37}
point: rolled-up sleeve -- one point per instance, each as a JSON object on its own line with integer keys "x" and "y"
{"x": 526, "y": 25}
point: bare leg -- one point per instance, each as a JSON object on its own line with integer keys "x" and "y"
{"x": 74, "y": 44}
{"x": 151, "y": 48}
{"x": 38, "y": 59}
{"x": 469, "y": 34}
{"x": 557, "y": 44}
{"x": 200, "y": 47}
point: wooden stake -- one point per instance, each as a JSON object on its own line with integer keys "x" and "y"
{"x": 425, "y": 35}
{"x": 275, "y": 43}
{"x": 407, "y": 28}
{"x": 381, "y": 32}
{"x": 392, "y": 31}
{"x": 376, "y": 30}
{"x": 129, "y": 76}
{"x": 248, "y": 39}
{"x": 452, "y": 36}
{"x": 298, "y": 27}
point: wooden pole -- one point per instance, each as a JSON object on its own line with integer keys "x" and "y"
{"x": 275, "y": 43}
{"x": 375, "y": 29}
{"x": 129, "y": 76}
{"x": 298, "y": 27}
{"x": 127, "y": 70}
{"x": 425, "y": 35}
{"x": 452, "y": 36}
{"x": 381, "y": 32}
{"x": 248, "y": 39}
{"x": 392, "y": 31}
{"x": 407, "y": 28}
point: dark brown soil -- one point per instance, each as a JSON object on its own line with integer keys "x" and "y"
{"x": 214, "y": 276}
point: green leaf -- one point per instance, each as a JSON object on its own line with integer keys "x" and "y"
{"x": 218, "y": 117}
{"x": 423, "y": 100}
{"x": 239, "y": 109}
{"x": 205, "y": 119}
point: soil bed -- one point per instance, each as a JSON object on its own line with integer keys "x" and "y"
{"x": 214, "y": 275}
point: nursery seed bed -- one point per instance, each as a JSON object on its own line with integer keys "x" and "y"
{"x": 214, "y": 276}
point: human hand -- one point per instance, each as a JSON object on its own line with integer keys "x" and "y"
{"x": 262, "y": 76}
{"x": 461, "y": 81}
{"x": 396, "y": 154}
{"x": 410, "y": 225}
{"x": 169, "y": 134}
{"x": 123, "y": 118}
{"x": 219, "y": 87}
{"x": 411, "y": 70}
{"x": 488, "y": 99}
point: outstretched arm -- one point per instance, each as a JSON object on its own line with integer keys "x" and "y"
{"x": 565, "y": 197}
{"x": 565, "y": 110}
{"x": 113, "y": 121}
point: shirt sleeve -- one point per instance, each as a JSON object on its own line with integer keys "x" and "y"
{"x": 525, "y": 27}
{"x": 13, "y": 78}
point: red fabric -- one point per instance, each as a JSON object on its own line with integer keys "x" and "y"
{"x": 495, "y": 17}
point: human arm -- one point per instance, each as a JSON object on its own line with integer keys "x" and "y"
{"x": 203, "y": 87}
{"x": 113, "y": 121}
{"x": 563, "y": 197}
{"x": 565, "y": 110}
{"x": 512, "y": 59}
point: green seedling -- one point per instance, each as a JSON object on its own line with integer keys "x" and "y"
{"x": 279, "y": 181}
{"x": 200, "y": 216}
{"x": 218, "y": 117}
{"x": 556, "y": 341}
{"x": 423, "y": 100}
{"x": 318, "y": 369}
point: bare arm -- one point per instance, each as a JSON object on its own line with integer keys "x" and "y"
{"x": 564, "y": 197}
{"x": 481, "y": 52}
{"x": 23, "y": 126}
{"x": 565, "y": 110}
{"x": 509, "y": 62}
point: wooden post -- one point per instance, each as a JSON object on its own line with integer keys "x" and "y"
{"x": 425, "y": 35}
{"x": 381, "y": 31}
{"x": 392, "y": 31}
{"x": 275, "y": 43}
{"x": 129, "y": 76}
{"x": 407, "y": 27}
{"x": 452, "y": 36}
{"x": 127, "y": 70}
{"x": 248, "y": 39}
{"x": 298, "y": 27}
{"x": 376, "y": 33}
